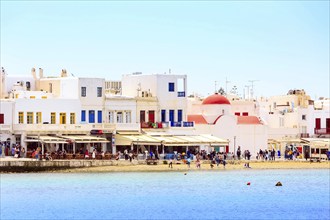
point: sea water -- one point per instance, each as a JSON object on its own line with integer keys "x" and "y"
{"x": 167, "y": 195}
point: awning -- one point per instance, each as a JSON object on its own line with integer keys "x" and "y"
{"x": 136, "y": 139}
{"x": 194, "y": 140}
{"x": 129, "y": 132}
{"x": 84, "y": 139}
{"x": 321, "y": 143}
{"x": 46, "y": 139}
{"x": 170, "y": 140}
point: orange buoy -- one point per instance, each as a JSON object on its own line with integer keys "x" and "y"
{"x": 248, "y": 184}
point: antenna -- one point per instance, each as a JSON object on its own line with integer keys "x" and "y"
{"x": 226, "y": 86}
{"x": 252, "y": 81}
{"x": 169, "y": 71}
{"x": 215, "y": 86}
{"x": 247, "y": 93}
{"x": 138, "y": 89}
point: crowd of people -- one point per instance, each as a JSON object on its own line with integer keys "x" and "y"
{"x": 215, "y": 158}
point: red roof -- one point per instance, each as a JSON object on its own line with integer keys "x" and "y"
{"x": 216, "y": 99}
{"x": 198, "y": 119}
{"x": 248, "y": 120}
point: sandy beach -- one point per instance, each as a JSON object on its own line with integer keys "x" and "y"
{"x": 204, "y": 167}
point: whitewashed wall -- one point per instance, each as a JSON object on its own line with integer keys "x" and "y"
{"x": 46, "y": 106}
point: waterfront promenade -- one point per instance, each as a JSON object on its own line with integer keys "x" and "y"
{"x": 10, "y": 164}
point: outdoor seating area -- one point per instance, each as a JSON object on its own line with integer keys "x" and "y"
{"x": 70, "y": 156}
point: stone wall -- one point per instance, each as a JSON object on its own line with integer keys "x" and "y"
{"x": 35, "y": 166}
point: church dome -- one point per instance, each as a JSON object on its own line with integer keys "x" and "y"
{"x": 216, "y": 99}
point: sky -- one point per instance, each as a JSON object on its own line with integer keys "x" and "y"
{"x": 279, "y": 45}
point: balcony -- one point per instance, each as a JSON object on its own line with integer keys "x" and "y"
{"x": 181, "y": 94}
{"x": 322, "y": 130}
{"x": 154, "y": 125}
{"x": 304, "y": 135}
{"x": 5, "y": 128}
{"x": 182, "y": 124}
{"x": 61, "y": 128}
{"x": 167, "y": 124}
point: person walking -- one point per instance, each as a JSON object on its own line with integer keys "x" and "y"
{"x": 170, "y": 164}
{"x": 198, "y": 161}
{"x": 86, "y": 154}
{"x": 239, "y": 153}
{"x": 94, "y": 154}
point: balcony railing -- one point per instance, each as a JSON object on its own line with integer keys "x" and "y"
{"x": 181, "y": 94}
{"x": 167, "y": 124}
{"x": 304, "y": 135}
{"x": 62, "y": 127}
{"x": 4, "y": 127}
{"x": 322, "y": 130}
{"x": 182, "y": 124}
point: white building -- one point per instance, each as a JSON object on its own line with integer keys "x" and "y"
{"x": 214, "y": 115}
{"x": 169, "y": 91}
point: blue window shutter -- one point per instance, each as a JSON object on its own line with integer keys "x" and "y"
{"x": 91, "y": 116}
{"x": 171, "y": 87}
{"x": 180, "y": 115}
{"x": 172, "y": 116}
{"x": 83, "y": 115}
{"x": 99, "y": 116}
{"x": 163, "y": 115}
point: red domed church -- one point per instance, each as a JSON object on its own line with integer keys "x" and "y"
{"x": 235, "y": 120}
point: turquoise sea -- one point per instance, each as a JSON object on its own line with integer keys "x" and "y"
{"x": 167, "y": 195}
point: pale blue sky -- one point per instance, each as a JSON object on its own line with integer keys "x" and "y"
{"x": 284, "y": 45}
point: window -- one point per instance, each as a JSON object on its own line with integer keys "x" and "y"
{"x": 83, "y": 115}
{"x": 245, "y": 114}
{"x": 128, "y": 117}
{"x": 179, "y": 115}
{"x": 99, "y": 116}
{"x": 171, "y": 115}
{"x": 2, "y": 119}
{"x": 171, "y": 87}
{"x": 111, "y": 117}
{"x": 32, "y": 97}
{"x": 99, "y": 91}
{"x": 62, "y": 118}
{"x": 44, "y": 97}
{"x": 91, "y": 116}
{"x": 317, "y": 123}
{"x": 20, "y": 117}
{"x": 142, "y": 116}
{"x": 151, "y": 116}
{"x": 163, "y": 119}
{"x": 38, "y": 117}
{"x": 29, "y": 117}
{"x": 303, "y": 117}
{"x": 28, "y": 85}
{"x": 72, "y": 118}
{"x": 237, "y": 113}
{"x": 83, "y": 91}
{"x": 119, "y": 117}
{"x": 53, "y": 118}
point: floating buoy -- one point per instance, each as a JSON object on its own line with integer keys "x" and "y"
{"x": 248, "y": 184}
{"x": 185, "y": 173}
{"x": 278, "y": 184}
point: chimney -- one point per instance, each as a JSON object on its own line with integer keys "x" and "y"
{"x": 41, "y": 73}
{"x": 33, "y": 72}
{"x": 64, "y": 74}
